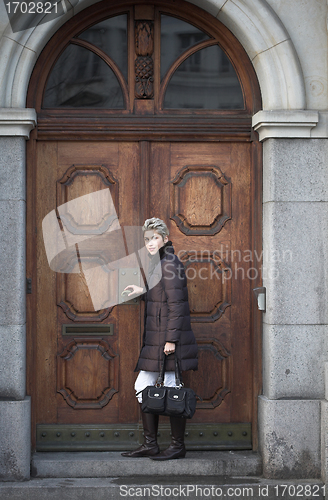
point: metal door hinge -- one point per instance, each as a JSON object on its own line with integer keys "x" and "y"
{"x": 28, "y": 285}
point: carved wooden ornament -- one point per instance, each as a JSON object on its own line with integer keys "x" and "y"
{"x": 144, "y": 32}
{"x": 144, "y": 64}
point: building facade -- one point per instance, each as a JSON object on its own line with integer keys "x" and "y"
{"x": 250, "y": 129}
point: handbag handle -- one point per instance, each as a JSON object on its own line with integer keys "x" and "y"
{"x": 178, "y": 380}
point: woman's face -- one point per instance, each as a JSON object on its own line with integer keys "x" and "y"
{"x": 154, "y": 241}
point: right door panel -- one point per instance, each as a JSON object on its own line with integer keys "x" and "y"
{"x": 203, "y": 191}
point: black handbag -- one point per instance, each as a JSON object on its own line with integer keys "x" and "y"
{"x": 175, "y": 401}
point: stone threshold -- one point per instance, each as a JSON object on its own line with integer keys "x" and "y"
{"x": 108, "y": 475}
{"x": 111, "y": 464}
{"x": 162, "y": 487}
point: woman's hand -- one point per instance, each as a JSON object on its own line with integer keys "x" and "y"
{"x": 132, "y": 289}
{"x": 169, "y": 348}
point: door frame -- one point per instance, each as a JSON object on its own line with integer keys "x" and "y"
{"x": 104, "y": 125}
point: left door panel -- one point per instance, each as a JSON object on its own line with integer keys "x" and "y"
{"x": 83, "y": 356}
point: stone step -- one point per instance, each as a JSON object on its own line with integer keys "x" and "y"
{"x": 234, "y": 488}
{"x": 112, "y": 464}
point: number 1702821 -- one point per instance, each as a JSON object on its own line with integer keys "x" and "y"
{"x": 31, "y": 7}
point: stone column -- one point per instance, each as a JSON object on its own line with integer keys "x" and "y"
{"x": 15, "y": 410}
{"x": 324, "y": 431}
{"x": 295, "y": 259}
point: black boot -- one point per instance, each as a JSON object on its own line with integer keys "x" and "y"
{"x": 149, "y": 446}
{"x": 177, "y": 448}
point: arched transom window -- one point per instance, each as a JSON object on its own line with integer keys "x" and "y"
{"x": 146, "y": 60}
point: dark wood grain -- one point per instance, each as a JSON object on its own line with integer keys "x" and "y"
{"x": 45, "y": 314}
{"x": 209, "y": 289}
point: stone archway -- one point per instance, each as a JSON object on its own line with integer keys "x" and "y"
{"x": 255, "y": 25}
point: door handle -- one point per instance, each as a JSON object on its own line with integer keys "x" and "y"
{"x": 260, "y": 294}
{"x": 128, "y": 276}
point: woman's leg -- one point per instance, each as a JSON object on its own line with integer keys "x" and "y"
{"x": 149, "y": 420}
{"x": 178, "y": 425}
{"x": 177, "y": 448}
{"x": 149, "y": 446}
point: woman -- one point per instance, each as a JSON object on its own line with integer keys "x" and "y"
{"x": 166, "y": 329}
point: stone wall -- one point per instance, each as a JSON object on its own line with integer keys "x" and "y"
{"x": 295, "y": 246}
{"x": 15, "y": 438}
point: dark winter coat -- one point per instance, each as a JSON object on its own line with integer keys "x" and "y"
{"x": 167, "y": 316}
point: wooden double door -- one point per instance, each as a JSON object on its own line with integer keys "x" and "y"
{"x": 82, "y": 360}
{"x": 145, "y": 108}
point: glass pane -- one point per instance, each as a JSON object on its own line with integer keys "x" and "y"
{"x": 81, "y": 79}
{"x": 111, "y": 36}
{"x": 176, "y": 37}
{"x": 205, "y": 80}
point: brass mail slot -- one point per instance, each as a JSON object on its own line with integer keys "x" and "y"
{"x": 88, "y": 329}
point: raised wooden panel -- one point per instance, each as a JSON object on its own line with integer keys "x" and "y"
{"x": 200, "y": 200}
{"x": 77, "y": 290}
{"x": 209, "y": 287}
{"x": 89, "y": 315}
{"x": 81, "y": 180}
{"x": 214, "y": 365}
{"x": 85, "y": 374}
{"x": 75, "y": 299}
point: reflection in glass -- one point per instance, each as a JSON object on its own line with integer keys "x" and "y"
{"x": 80, "y": 78}
{"x": 205, "y": 80}
{"x": 176, "y": 37}
{"x": 111, "y": 37}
